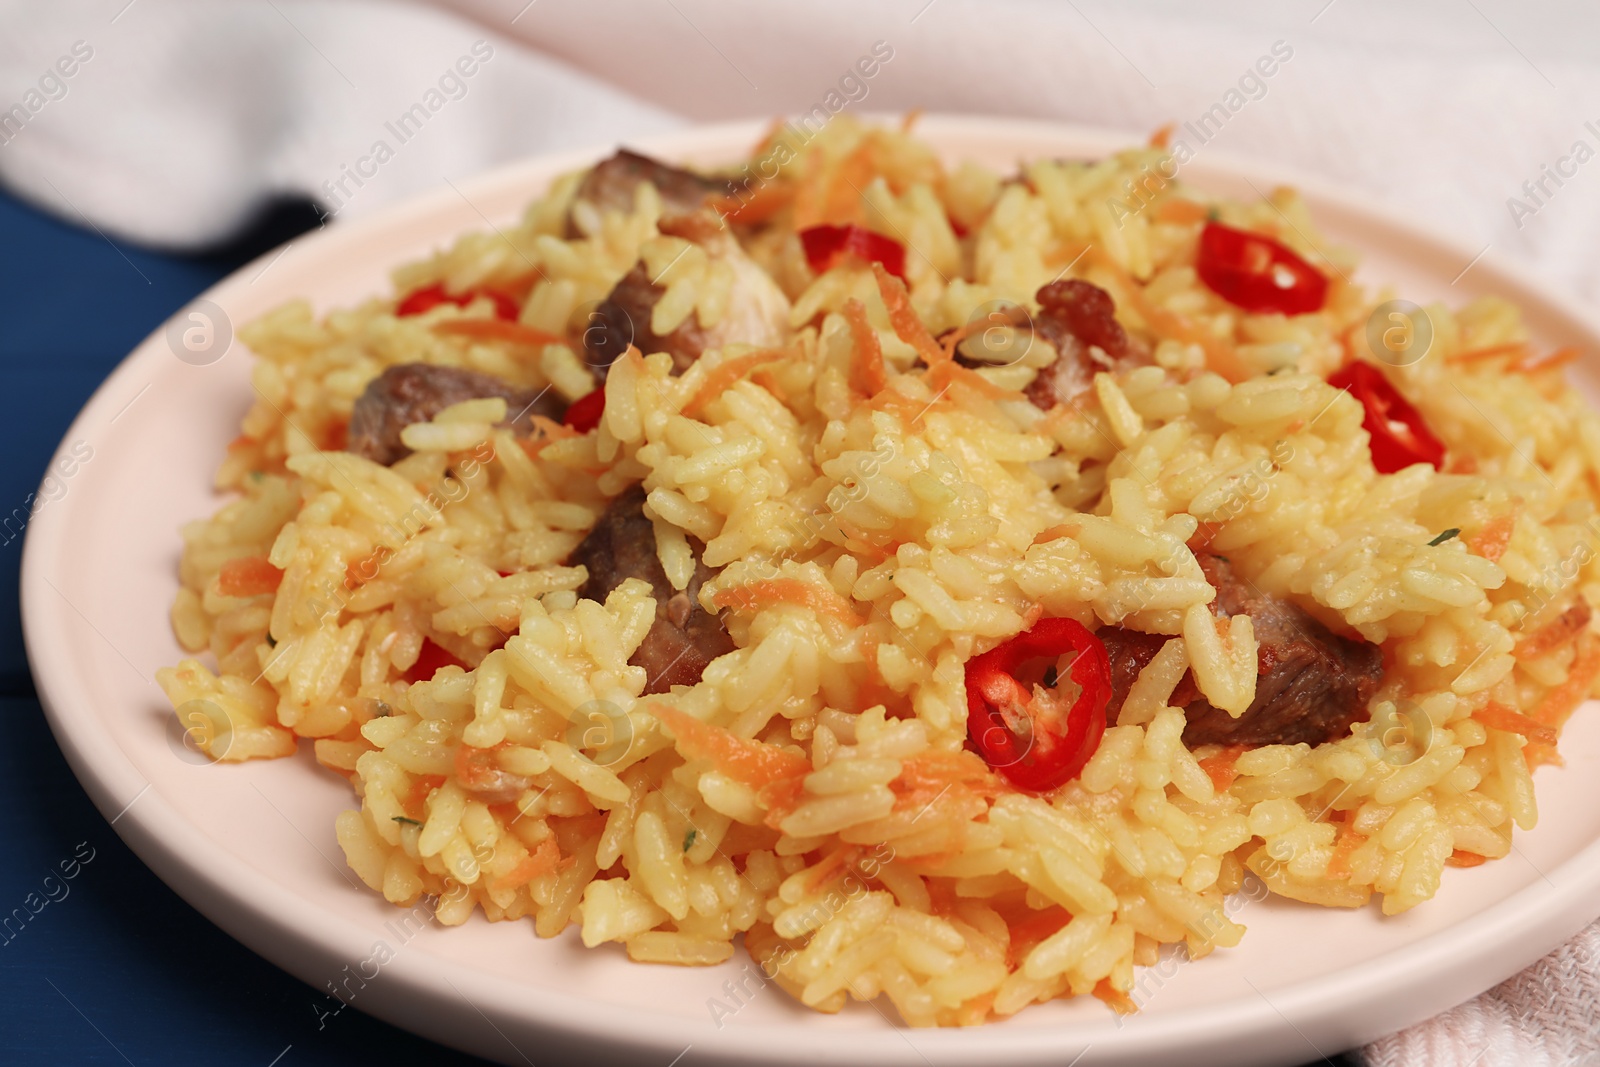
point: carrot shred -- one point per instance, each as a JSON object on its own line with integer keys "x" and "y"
{"x": 1220, "y": 354}
{"x": 1563, "y": 700}
{"x": 1119, "y": 1001}
{"x": 903, "y": 317}
{"x": 830, "y": 865}
{"x": 912, "y": 117}
{"x": 421, "y": 787}
{"x": 1163, "y": 135}
{"x": 1032, "y": 928}
{"x": 1177, "y": 209}
{"x": 752, "y": 763}
{"x": 868, "y": 373}
{"x": 248, "y": 576}
{"x": 1551, "y": 361}
{"x": 1499, "y": 717}
{"x": 1066, "y": 529}
{"x": 908, "y": 408}
{"x": 951, "y": 374}
{"x": 1555, "y": 633}
{"x": 761, "y": 205}
{"x": 722, "y": 377}
{"x": 789, "y": 591}
{"x": 1490, "y": 352}
{"x": 497, "y": 330}
{"x": 1460, "y": 858}
{"x": 1490, "y": 541}
{"x": 1348, "y": 842}
{"x": 545, "y": 859}
{"x": 1221, "y": 767}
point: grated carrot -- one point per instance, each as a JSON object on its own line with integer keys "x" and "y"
{"x": 910, "y": 409}
{"x": 248, "y": 576}
{"x": 1119, "y": 1001}
{"x": 1555, "y": 633}
{"x": 951, "y": 374}
{"x": 497, "y": 330}
{"x": 1490, "y": 541}
{"x": 1497, "y": 716}
{"x": 1562, "y": 700}
{"x": 1221, "y": 767}
{"x": 1032, "y": 928}
{"x": 903, "y": 317}
{"x": 545, "y": 859}
{"x": 724, "y": 375}
{"x": 868, "y": 373}
{"x": 1492, "y": 351}
{"x": 1348, "y": 842}
{"x": 752, "y": 763}
{"x": 830, "y": 865}
{"x": 1220, "y": 354}
{"x": 1459, "y": 858}
{"x": 1553, "y": 361}
{"x": 422, "y": 786}
{"x": 1066, "y": 529}
{"x": 1177, "y": 209}
{"x": 789, "y": 591}
{"x": 764, "y": 202}
{"x": 910, "y": 120}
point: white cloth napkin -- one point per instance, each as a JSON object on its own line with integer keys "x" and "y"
{"x": 180, "y": 117}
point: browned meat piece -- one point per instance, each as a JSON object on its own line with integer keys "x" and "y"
{"x": 757, "y": 311}
{"x": 1077, "y": 317}
{"x": 684, "y": 637}
{"x": 416, "y": 392}
{"x": 1313, "y": 685}
{"x": 610, "y": 185}
{"x": 623, "y": 319}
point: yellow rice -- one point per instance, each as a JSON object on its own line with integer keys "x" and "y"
{"x": 959, "y": 904}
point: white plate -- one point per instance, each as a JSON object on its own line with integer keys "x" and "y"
{"x": 253, "y": 846}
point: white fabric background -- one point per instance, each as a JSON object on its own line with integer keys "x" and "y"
{"x": 189, "y": 114}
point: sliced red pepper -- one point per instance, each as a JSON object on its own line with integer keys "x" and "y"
{"x": 826, "y": 245}
{"x": 1399, "y": 435}
{"x": 1026, "y": 737}
{"x": 1257, "y": 273}
{"x": 431, "y": 296}
{"x": 432, "y": 657}
{"x": 584, "y": 414}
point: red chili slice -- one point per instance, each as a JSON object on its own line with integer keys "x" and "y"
{"x": 1027, "y": 739}
{"x": 584, "y": 414}
{"x": 1399, "y": 435}
{"x": 431, "y": 296}
{"x": 826, "y": 245}
{"x": 429, "y": 660}
{"x": 1257, "y": 273}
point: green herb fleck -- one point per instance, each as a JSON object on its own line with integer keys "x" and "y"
{"x": 408, "y": 822}
{"x": 1051, "y": 677}
{"x": 256, "y": 476}
{"x": 381, "y": 710}
{"x": 1212, "y": 214}
{"x": 688, "y": 838}
{"x": 1442, "y": 538}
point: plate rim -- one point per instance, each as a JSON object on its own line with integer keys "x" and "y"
{"x": 1513, "y": 932}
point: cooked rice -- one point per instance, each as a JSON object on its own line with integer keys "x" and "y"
{"x": 812, "y": 792}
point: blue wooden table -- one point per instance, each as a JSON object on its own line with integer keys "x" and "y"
{"x": 112, "y": 967}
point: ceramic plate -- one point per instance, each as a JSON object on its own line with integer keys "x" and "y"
{"x": 252, "y": 846}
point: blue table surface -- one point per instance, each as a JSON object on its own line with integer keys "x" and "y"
{"x": 114, "y": 967}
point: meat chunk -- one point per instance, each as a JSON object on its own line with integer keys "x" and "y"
{"x": 1079, "y": 320}
{"x": 416, "y": 392}
{"x": 1312, "y": 685}
{"x": 757, "y": 311}
{"x": 684, "y": 637}
{"x": 610, "y": 185}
